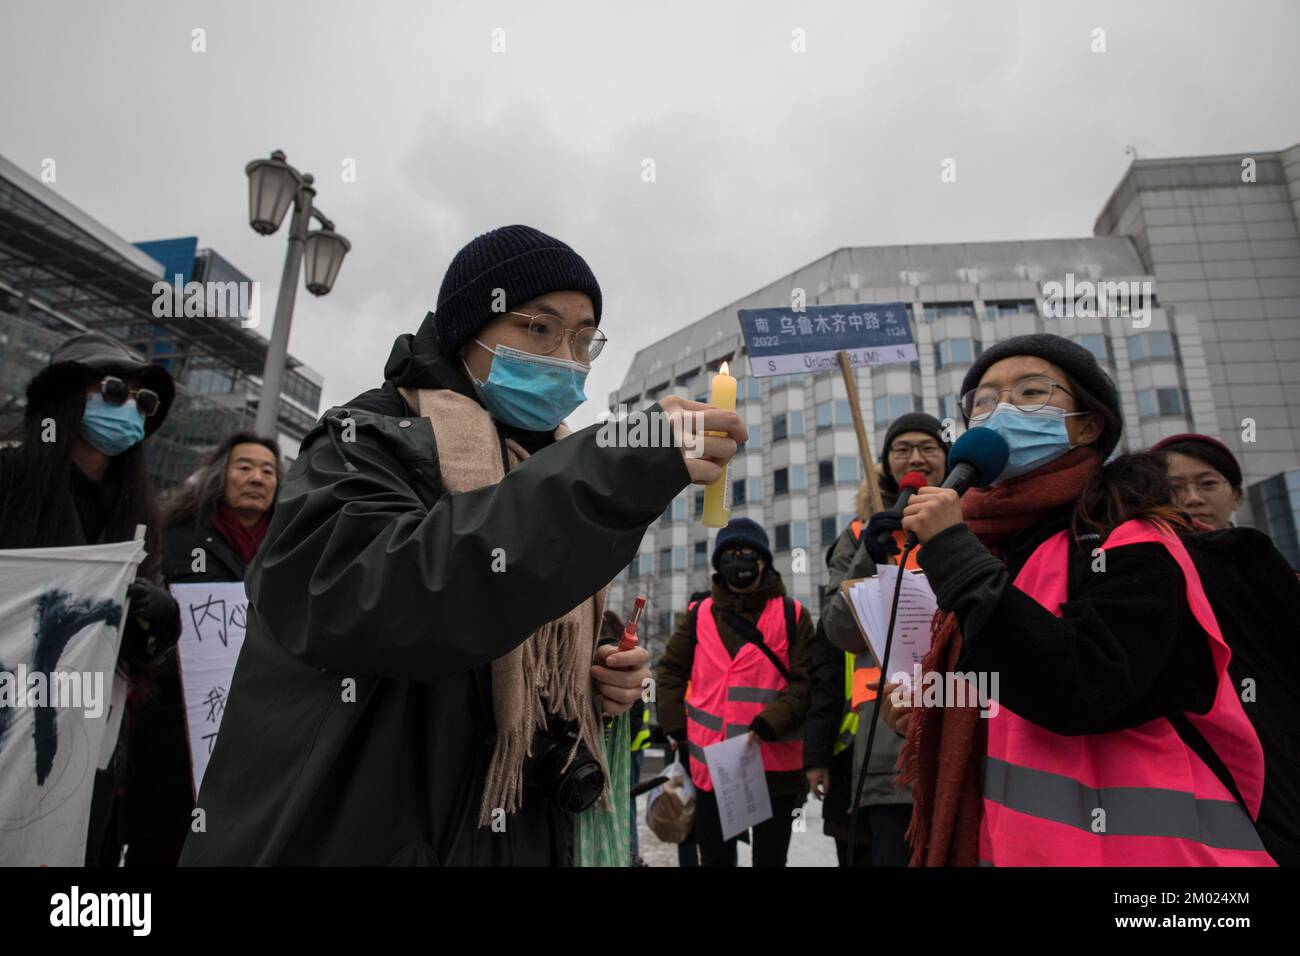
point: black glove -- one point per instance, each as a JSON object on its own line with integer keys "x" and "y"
{"x": 153, "y": 620}
{"x": 882, "y": 521}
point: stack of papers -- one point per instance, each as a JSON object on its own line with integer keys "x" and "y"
{"x": 871, "y": 600}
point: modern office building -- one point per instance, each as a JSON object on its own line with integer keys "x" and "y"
{"x": 63, "y": 272}
{"x": 1199, "y": 328}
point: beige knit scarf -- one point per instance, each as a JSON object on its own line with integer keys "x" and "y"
{"x": 550, "y": 672}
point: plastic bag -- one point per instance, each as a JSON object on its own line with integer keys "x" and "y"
{"x": 670, "y": 808}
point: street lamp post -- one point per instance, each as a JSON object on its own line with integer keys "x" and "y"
{"x": 272, "y": 186}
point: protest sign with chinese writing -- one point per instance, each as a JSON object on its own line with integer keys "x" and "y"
{"x": 783, "y": 341}
{"x": 212, "y": 632}
{"x": 62, "y": 611}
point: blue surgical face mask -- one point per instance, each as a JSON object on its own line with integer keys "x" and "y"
{"x": 111, "y": 429}
{"x": 1035, "y": 437}
{"x": 534, "y": 392}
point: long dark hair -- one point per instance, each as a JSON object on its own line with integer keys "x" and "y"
{"x": 37, "y": 508}
{"x": 196, "y": 501}
{"x": 1130, "y": 487}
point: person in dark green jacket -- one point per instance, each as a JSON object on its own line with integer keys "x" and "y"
{"x": 426, "y": 603}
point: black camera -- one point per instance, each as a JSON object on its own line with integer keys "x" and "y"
{"x": 573, "y": 785}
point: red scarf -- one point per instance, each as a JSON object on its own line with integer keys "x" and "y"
{"x": 245, "y": 541}
{"x": 944, "y": 745}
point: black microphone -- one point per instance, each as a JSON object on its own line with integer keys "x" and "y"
{"x": 977, "y": 459}
{"x": 907, "y": 486}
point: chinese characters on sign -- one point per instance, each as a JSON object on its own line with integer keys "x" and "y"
{"x": 783, "y": 341}
{"x": 213, "y": 618}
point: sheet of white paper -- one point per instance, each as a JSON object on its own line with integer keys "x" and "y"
{"x": 916, "y": 606}
{"x": 212, "y": 632}
{"x": 736, "y": 770}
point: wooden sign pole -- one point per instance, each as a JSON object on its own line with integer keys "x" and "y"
{"x": 864, "y": 442}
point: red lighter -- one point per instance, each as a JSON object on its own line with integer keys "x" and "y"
{"x": 628, "y": 640}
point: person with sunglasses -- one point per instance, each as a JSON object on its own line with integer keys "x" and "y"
{"x": 1113, "y": 734}
{"x": 425, "y": 609}
{"x": 78, "y": 477}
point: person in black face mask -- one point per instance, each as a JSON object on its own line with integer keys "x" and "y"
{"x": 744, "y": 651}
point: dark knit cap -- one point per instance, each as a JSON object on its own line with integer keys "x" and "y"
{"x": 911, "y": 422}
{"x": 738, "y": 532}
{"x": 1076, "y": 361}
{"x": 520, "y": 261}
{"x": 87, "y": 356}
{"x": 1204, "y": 448}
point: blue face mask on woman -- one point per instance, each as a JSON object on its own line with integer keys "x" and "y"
{"x": 111, "y": 429}
{"x": 1035, "y": 437}
{"x": 533, "y": 392}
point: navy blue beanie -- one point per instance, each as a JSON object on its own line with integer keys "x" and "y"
{"x": 742, "y": 531}
{"x": 523, "y": 263}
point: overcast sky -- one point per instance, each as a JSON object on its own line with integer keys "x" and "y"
{"x": 765, "y": 158}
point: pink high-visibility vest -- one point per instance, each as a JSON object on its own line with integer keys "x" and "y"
{"x": 727, "y": 692}
{"x": 1136, "y": 797}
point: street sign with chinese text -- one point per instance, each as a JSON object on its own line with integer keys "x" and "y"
{"x": 784, "y": 341}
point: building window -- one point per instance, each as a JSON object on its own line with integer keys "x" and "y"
{"x": 778, "y": 428}
{"x": 828, "y": 532}
{"x": 738, "y": 492}
{"x": 888, "y": 407}
{"x": 781, "y": 482}
{"x": 647, "y": 564}
{"x": 1159, "y": 401}
{"x": 999, "y": 310}
{"x": 1151, "y": 345}
{"x": 667, "y": 516}
{"x": 823, "y": 414}
{"x": 782, "y": 537}
{"x": 948, "y": 407}
{"x": 948, "y": 310}
{"x": 798, "y": 478}
{"x": 799, "y": 534}
{"x": 755, "y": 490}
{"x": 755, "y": 438}
{"x": 699, "y": 504}
{"x": 847, "y": 469}
{"x": 701, "y": 555}
{"x": 955, "y": 352}
{"x": 634, "y": 569}
{"x": 679, "y": 558}
{"x": 665, "y": 560}
{"x": 826, "y": 472}
{"x": 679, "y": 509}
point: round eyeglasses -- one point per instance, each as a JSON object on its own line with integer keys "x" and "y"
{"x": 547, "y": 331}
{"x": 1029, "y": 395}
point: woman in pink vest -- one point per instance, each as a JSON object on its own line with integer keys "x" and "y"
{"x": 715, "y": 681}
{"x": 1116, "y": 737}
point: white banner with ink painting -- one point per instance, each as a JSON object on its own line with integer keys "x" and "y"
{"x": 212, "y": 632}
{"x": 62, "y": 611}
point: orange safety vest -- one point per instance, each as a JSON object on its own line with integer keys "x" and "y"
{"x": 1135, "y": 797}
{"x": 726, "y": 693}
{"x": 863, "y": 671}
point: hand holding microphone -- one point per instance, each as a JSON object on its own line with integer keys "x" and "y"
{"x": 878, "y": 536}
{"x": 976, "y": 460}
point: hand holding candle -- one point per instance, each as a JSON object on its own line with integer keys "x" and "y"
{"x": 708, "y": 436}
{"x": 717, "y": 496}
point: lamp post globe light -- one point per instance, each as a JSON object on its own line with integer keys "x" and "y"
{"x": 274, "y": 185}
